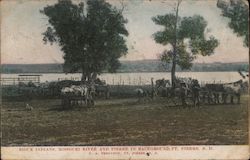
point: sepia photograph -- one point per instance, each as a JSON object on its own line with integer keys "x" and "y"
{"x": 124, "y": 79}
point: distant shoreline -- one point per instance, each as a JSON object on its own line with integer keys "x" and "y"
{"x": 129, "y": 67}
{"x": 116, "y": 72}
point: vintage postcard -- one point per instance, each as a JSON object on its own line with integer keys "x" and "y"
{"x": 124, "y": 79}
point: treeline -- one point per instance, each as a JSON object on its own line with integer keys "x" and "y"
{"x": 127, "y": 66}
{"x": 158, "y": 66}
{"x": 31, "y": 68}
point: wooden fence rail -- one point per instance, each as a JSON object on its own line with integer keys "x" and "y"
{"x": 20, "y": 79}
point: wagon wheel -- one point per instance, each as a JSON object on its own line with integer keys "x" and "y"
{"x": 172, "y": 99}
{"x": 91, "y": 99}
{"x": 189, "y": 99}
{"x": 203, "y": 97}
{"x": 168, "y": 100}
{"x": 90, "y": 102}
{"x": 66, "y": 102}
{"x": 63, "y": 103}
{"x": 220, "y": 98}
{"x": 107, "y": 95}
{"x": 175, "y": 100}
{"x": 225, "y": 96}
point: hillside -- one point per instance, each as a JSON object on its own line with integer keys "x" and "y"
{"x": 126, "y": 66}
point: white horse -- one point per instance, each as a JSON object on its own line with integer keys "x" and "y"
{"x": 81, "y": 90}
{"x": 76, "y": 91}
{"x": 66, "y": 90}
{"x": 141, "y": 93}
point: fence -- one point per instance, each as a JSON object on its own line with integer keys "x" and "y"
{"x": 20, "y": 79}
{"x": 146, "y": 81}
{"x": 127, "y": 80}
{"x": 111, "y": 80}
{"x": 119, "y": 80}
{"x": 71, "y": 78}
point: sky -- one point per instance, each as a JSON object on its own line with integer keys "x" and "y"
{"x": 22, "y": 26}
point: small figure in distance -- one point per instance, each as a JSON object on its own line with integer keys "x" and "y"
{"x": 28, "y": 107}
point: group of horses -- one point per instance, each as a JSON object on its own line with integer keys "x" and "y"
{"x": 84, "y": 93}
{"x": 187, "y": 89}
{"x": 78, "y": 95}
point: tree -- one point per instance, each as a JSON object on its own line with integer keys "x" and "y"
{"x": 237, "y": 11}
{"x": 91, "y": 39}
{"x": 187, "y": 38}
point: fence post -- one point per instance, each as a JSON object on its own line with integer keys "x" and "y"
{"x": 119, "y": 91}
{"x": 120, "y": 79}
{"x": 38, "y": 79}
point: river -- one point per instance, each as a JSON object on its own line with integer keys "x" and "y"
{"x": 142, "y": 77}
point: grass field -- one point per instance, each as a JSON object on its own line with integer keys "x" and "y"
{"x": 123, "y": 122}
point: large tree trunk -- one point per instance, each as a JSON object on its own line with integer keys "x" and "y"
{"x": 173, "y": 78}
{"x": 84, "y": 76}
{"x": 83, "y": 79}
{"x": 88, "y": 77}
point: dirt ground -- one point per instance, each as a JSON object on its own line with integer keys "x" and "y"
{"x": 123, "y": 122}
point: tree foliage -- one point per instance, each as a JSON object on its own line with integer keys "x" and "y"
{"x": 238, "y": 13}
{"x": 190, "y": 38}
{"x": 92, "y": 38}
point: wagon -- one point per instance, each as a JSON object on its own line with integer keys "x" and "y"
{"x": 208, "y": 94}
{"x": 69, "y": 101}
{"x": 219, "y": 93}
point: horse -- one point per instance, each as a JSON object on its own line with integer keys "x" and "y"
{"x": 102, "y": 90}
{"x": 187, "y": 88}
{"x": 162, "y": 87}
{"x": 195, "y": 90}
{"x": 178, "y": 93}
{"x": 234, "y": 89}
{"x": 212, "y": 93}
{"x": 141, "y": 93}
{"x": 74, "y": 92}
{"x": 162, "y": 82}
